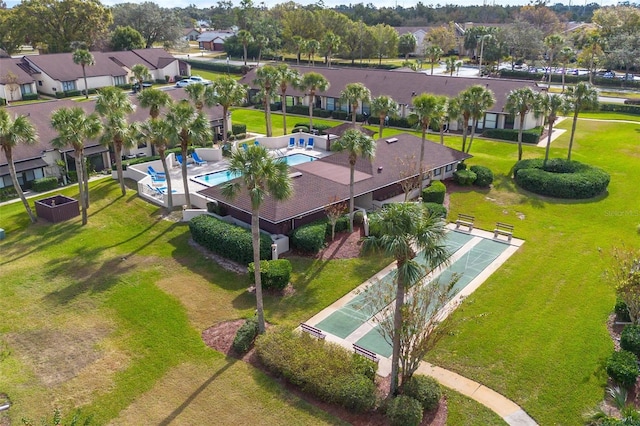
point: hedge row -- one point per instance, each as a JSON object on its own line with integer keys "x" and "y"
{"x": 568, "y": 79}
{"x": 310, "y": 238}
{"x": 237, "y": 129}
{"x": 326, "y": 370}
{"x": 561, "y": 178}
{"x": 45, "y": 184}
{"x": 225, "y": 239}
{"x": 531, "y": 136}
{"x": 217, "y": 67}
{"x": 274, "y": 274}
{"x": 628, "y": 109}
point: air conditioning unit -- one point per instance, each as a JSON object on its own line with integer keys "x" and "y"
{"x": 392, "y": 140}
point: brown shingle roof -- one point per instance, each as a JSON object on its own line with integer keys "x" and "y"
{"x": 401, "y": 86}
{"x": 13, "y": 65}
{"x": 157, "y": 57}
{"x": 312, "y": 190}
{"x": 60, "y": 66}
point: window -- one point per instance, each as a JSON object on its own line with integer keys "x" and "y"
{"x": 142, "y": 144}
{"x": 448, "y": 168}
{"x": 331, "y": 106}
{"x": 490, "y": 121}
{"x": 38, "y": 173}
{"x": 366, "y": 107}
{"x": 39, "y": 82}
{"x": 437, "y": 172}
{"x": 119, "y": 80}
{"x": 25, "y": 89}
{"x": 68, "y": 85}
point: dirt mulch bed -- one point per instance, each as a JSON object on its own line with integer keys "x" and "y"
{"x": 220, "y": 337}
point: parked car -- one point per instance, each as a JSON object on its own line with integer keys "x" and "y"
{"x": 184, "y": 83}
{"x": 609, "y": 74}
{"x": 191, "y": 80}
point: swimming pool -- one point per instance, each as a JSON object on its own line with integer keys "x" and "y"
{"x": 216, "y": 178}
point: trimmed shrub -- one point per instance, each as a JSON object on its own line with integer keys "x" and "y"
{"x": 621, "y": 310}
{"x": 29, "y": 96}
{"x": 404, "y": 411}
{"x": 364, "y": 366}
{"x": 274, "y": 274}
{"x": 216, "y": 208}
{"x": 245, "y": 336}
{"x": 561, "y": 178}
{"x": 237, "y": 129}
{"x": 630, "y": 338}
{"x": 227, "y": 240}
{"x": 342, "y": 225}
{"x": 45, "y": 184}
{"x": 309, "y": 238}
{"x": 73, "y": 176}
{"x": 484, "y": 176}
{"x": 434, "y": 193}
{"x": 436, "y": 209}
{"x": 531, "y": 136}
{"x": 628, "y": 109}
{"x": 298, "y": 109}
{"x": 320, "y": 368}
{"x": 358, "y": 217}
{"x": 464, "y": 177}
{"x": 322, "y": 113}
{"x": 300, "y": 129}
{"x": 461, "y": 166}
{"x": 425, "y": 390}
{"x": 8, "y": 193}
{"x": 339, "y": 115}
{"x": 622, "y": 367}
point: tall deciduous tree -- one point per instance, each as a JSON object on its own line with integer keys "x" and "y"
{"x": 406, "y": 44}
{"x": 356, "y": 144}
{"x": 551, "y": 107}
{"x": 187, "y": 126}
{"x": 406, "y": 229}
{"x": 475, "y": 101}
{"x": 267, "y": 78}
{"x": 227, "y": 92}
{"x": 13, "y": 31}
{"x": 287, "y": 77}
{"x": 578, "y": 98}
{"x": 383, "y": 106}
{"x": 443, "y": 36}
{"x": 261, "y": 176}
{"x": 84, "y": 58}
{"x": 74, "y": 127}
{"x": 154, "y": 23}
{"x": 13, "y": 133}
{"x": 355, "y": 94}
{"x": 519, "y": 103}
{"x": 114, "y": 105}
{"x": 126, "y": 38}
{"x": 313, "y": 82}
{"x": 424, "y": 110}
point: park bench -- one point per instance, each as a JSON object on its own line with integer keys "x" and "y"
{"x": 503, "y": 229}
{"x": 465, "y": 220}
{"x": 365, "y": 353}
{"x": 315, "y": 332}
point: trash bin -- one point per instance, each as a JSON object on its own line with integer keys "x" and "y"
{"x": 1, "y": 234}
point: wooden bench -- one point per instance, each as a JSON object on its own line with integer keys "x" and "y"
{"x": 315, "y": 332}
{"x": 366, "y": 353}
{"x": 503, "y": 229}
{"x": 465, "y": 220}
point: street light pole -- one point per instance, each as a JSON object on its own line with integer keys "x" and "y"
{"x": 482, "y": 38}
{"x": 227, "y": 65}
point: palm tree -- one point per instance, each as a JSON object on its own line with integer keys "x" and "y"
{"x": 245, "y": 38}
{"x": 406, "y": 229}
{"x": 454, "y": 111}
{"x": 12, "y": 134}
{"x": 553, "y": 43}
{"x": 451, "y": 62}
{"x": 157, "y": 132}
{"x": 520, "y": 102}
{"x": 196, "y": 93}
{"x": 565, "y": 55}
{"x": 140, "y": 73}
{"x": 434, "y": 53}
{"x": 154, "y": 99}
{"x": 114, "y": 105}
{"x": 288, "y": 76}
{"x": 330, "y": 43}
{"x": 74, "y": 127}
{"x": 439, "y": 118}
{"x": 298, "y": 43}
{"x": 383, "y": 106}
{"x": 311, "y": 46}
{"x": 476, "y": 100}
{"x": 83, "y": 58}
{"x": 313, "y": 81}
{"x": 261, "y": 41}
{"x": 354, "y": 94}
{"x": 261, "y": 176}
{"x": 424, "y": 110}
{"x": 356, "y": 144}
{"x": 267, "y": 78}
{"x": 578, "y": 98}
{"x": 551, "y": 105}
{"x": 227, "y": 92}
{"x": 187, "y": 126}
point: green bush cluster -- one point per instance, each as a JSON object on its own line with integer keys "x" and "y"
{"x": 45, "y": 184}
{"x": 236, "y": 129}
{"x": 531, "y": 136}
{"x": 225, "y": 239}
{"x": 309, "y": 238}
{"x": 622, "y": 311}
{"x": 622, "y": 367}
{"x": 434, "y": 193}
{"x": 561, "y": 178}
{"x": 404, "y": 411}
{"x": 464, "y": 177}
{"x": 29, "y": 96}
{"x": 425, "y": 390}
{"x": 484, "y": 176}
{"x": 215, "y": 66}
{"x": 216, "y": 208}
{"x": 323, "y": 369}
{"x": 245, "y": 336}
{"x": 628, "y": 109}
{"x": 298, "y": 109}
{"x": 274, "y": 274}
{"x": 630, "y": 338}
{"x": 436, "y": 209}
{"x": 316, "y": 126}
{"x": 8, "y": 193}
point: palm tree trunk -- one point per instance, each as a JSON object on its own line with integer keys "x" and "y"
{"x": 520, "y": 137}
{"x": 185, "y": 181}
{"x": 163, "y": 159}
{"x": 421, "y": 171}
{"x": 117, "y": 147}
{"x": 80, "y": 176}
{"x": 465, "y": 129}
{"x": 546, "y": 150}
{"x": 352, "y": 171}
{"x": 573, "y": 132}
{"x": 441, "y": 133}
{"x": 382, "y": 116}
{"x": 85, "y": 179}
{"x": 474, "y": 123}
{"x": 284, "y": 112}
{"x": 564, "y": 71}
{"x": 312, "y": 97}
{"x": 354, "y": 108}
{"x": 397, "y": 326}
{"x": 16, "y": 185}
{"x": 431, "y": 67}
{"x": 245, "y": 54}
{"x": 86, "y": 88}
{"x": 267, "y": 114}
{"x": 225, "y": 130}
{"x": 255, "y": 237}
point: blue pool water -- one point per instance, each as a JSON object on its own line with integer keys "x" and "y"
{"x": 216, "y": 178}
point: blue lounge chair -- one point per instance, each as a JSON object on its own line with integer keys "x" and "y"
{"x": 153, "y": 172}
{"x": 309, "y": 144}
{"x": 197, "y": 159}
{"x": 159, "y": 190}
{"x": 256, "y": 143}
{"x": 292, "y": 143}
{"x": 301, "y": 143}
{"x": 179, "y": 158}
{"x": 244, "y": 146}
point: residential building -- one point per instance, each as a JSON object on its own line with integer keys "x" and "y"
{"x": 214, "y": 40}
